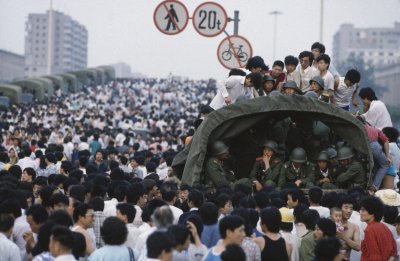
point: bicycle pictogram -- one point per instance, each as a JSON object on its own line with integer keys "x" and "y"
{"x": 236, "y": 52}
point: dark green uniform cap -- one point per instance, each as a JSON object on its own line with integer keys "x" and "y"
{"x": 298, "y": 155}
{"x": 218, "y": 148}
{"x": 345, "y": 153}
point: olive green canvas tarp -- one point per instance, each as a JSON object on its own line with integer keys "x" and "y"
{"x": 100, "y": 74}
{"x": 72, "y": 82}
{"x": 85, "y": 77}
{"x": 47, "y": 84}
{"x": 109, "y": 72}
{"x": 230, "y": 122}
{"x": 34, "y": 87}
{"x": 58, "y": 82}
{"x": 11, "y": 91}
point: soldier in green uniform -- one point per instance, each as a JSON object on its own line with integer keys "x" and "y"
{"x": 266, "y": 170}
{"x": 298, "y": 170}
{"x": 324, "y": 175}
{"x": 216, "y": 174}
{"x": 350, "y": 173}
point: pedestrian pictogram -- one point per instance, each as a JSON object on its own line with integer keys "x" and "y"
{"x": 209, "y": 19}
{"x": 171, "y": 17}
{"x": 234, "y": 52}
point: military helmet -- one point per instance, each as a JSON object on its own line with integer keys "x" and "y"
{"x": 291, "y": 84}
{"x": 311, "y": 94}
{"x": 298, "y": 155}
{"x": 322, "y": 156}
{"x": 332, "y": 153}
{"x": 318, "y": 79}
{"x": 275, "y": 93}
{"x": 218, "y": 148}
{"x": 344, "y": 153}
{"x": 268, "y": 78}
{"x": 271, "y": 145}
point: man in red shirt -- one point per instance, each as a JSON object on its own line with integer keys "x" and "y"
{"x": 378, "y": 243}
{"x": 278, "y": 74}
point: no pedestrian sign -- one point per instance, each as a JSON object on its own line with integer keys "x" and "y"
{"x": 234, "y": 51}
{"x": 209, "y": 19}
{"x": 171, "y": 17}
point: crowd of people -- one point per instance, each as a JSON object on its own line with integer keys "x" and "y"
{"x": 87, "y": 176}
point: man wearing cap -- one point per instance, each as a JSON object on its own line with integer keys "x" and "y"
{"x": 286, "y": 228}
{"x": 350, "y": 173}
{"x": 317, "y": 85}
{"x": 324, "y": 175}
{"x": 298, "y": 170}
{"x": 268, "y": 85}
{"x": 266, "y": 170}
{"x": 216, "y": 174}
{"x": 290, "y": 88}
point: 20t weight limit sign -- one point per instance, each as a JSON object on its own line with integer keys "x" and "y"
{"x": 210, "y": 19}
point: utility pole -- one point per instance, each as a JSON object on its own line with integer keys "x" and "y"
{"x": 235, "y": 21}
{"x": 50, "y": 38}
{"x": 321, "y": 22}
{"x": 275, "y": 14}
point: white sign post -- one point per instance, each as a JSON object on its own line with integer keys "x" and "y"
{"x": 209, "y": 19}
{"x": 234, "y": 52}
{"x": 171, "y": 17}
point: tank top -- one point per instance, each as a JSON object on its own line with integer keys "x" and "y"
{"x": 274, "y": 250}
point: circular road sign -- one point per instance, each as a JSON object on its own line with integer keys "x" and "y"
{"x": 234, "y": 51}
{"x": 171, "y": 17}
{"x": 209, "y": 19}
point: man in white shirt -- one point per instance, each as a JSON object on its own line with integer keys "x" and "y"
{"x": 27, "y": 161}
{"x": 8, "y": 249}
{"x": 126, "y": 212}
{"x": 233, "y": 87}
{"x": 169, "y": 193}
{"x": 315, "y": 197}
{"x": 61, "y": 243}
{"x": 329, "y": 82}
{"x": 292, "y": 74}
{"x": 346, "y": 91}
{"x": 375, "y": 111}
{"x": 307, "y": 72}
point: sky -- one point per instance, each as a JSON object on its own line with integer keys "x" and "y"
{"x": 124, "y": 31}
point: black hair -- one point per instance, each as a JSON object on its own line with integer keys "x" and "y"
{"x": 237, "y": 71}
{"x": 209, "y": 213}
{"x": 61, "y": 217}
{"x": 158, "y": 242}
{"x": 44, "y": 234}
{"x": 134, "y": 192}
{"x": 38, "y": 212}
{"x": 278, "y": 202}
{"x": 318, "y": 46}
{"x": 120, "y": 192}
{"x": 327, "y": 249}
{"x": 256, "y": 79}
{"x": 390, "y": 214}
{"x": 297, "y": 195}
{"x": 374, "y": 206}
{"x": 315, "y": 195}
{"x": 271, "y": 218}
{"x": 196, "y": 197}
{"x": 306, "y": 54}
{"x": 368, "y": 93}
{"x": 231, "y": 222}
{"x": 278, "y": 63}
{"x": 31, "y": 172}
{"x": 50, "y": 157}
{"x": 291, "y": 60}
{"x": 6, "y": 222}
{"x": 168, "y": 191}
{"x": 63, "y": 236}
{"x": 346, "y": 200}
{"x": 97, "y": 203}
{"x": 4, "y": 157}
{"x": 353, "y": 76}
{"x": 40, "y": 181}
{"x": 128, "y": 210}
{"x": 15, "y": 171}
{"x": 77, "y": 192}
{"x": 114, "y": 231}
{"x": 57, "y": 199}
{"x": 327, "y": 226}
{"x": 261, "y": 199}
{"x": 233, "y": 252}
{"x": 391, "y": 133}
{"x": 11, "y": 206}
{"x": 325, "y": 58}
{"x": 181, "y": 233}
{"x": 244, "y": 213}
{"x": 222, "y": 199}
{"x": 310, "y": 218}
{"x": 76, "y": 173}
{"x": 80, "y": 211}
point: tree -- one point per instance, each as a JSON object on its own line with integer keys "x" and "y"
{"x": 366, "y": 70}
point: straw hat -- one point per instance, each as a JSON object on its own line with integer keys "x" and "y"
{"x": 389, "y": 197}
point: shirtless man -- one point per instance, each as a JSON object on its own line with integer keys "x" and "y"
{"x": 351, "y": 234}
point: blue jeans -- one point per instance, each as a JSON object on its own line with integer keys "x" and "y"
{"x": 381, "y": 163}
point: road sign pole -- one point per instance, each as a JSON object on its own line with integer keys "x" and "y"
{"x": 236, "y": 23}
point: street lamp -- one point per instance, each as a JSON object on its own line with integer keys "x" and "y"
{"x": 275, "y": 14}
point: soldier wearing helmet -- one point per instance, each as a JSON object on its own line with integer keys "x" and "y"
{"x": 317, "y": 85}
{"x": 324, "y": 175}
{"x": 266, "y": 169}
{"x": 290, "y": 88}
{"x": 298, "y": 170}
{"x": 216, "y": 173}
{"x": 350, "y": 173}
{"x": 268, "y": 85}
